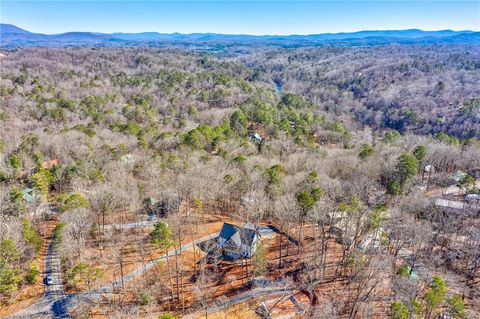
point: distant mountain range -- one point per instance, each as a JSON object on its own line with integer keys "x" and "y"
{"x": 13, "y": 37}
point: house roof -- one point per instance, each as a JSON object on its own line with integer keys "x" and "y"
{"x": 413, "y": 274}
{"x": 29, "y": 195}
{"x": 50, "y": 164}
{"x": 237, "y": 234}
{"x": 257, "y": 136}
{"x": 458, "y": 176}
{"x": 250, "y": 225}
{"x": 150, "y": 201}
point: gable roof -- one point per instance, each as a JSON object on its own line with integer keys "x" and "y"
{"x": 238, "y": 235}
{"x": 250, "y": 225}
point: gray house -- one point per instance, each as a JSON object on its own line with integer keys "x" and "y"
{"x": 237, "y": 241}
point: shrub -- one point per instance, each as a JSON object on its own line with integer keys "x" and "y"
{"x": 4, "y": 116}
{"x": 56, "y": 113}
{"x": 420, "y": 152}
{"x": 161, "y": 236}
{"x": 447, "y": 139}
{"x": 145, "y": 298}
{"x": 405, "y": 171}
{"x": 399, "y": 310}
{"x": 83, "y": 274}
{"x": 10, "y": 273}
{"x": 240, "y": 159}
{"x": 42, "y": 180}
{"x": 15, "y": 162}
{"x": 239, "y": 122}
{"x": 88, "y": 130}
{"x": 228, "y": 178}
{"x": 57, "y": 233}
{"x": 390, "y": 136}
{"x": 31, "y": 236}
{"x": 367, "y": 150}
{"x": 72, "y": 201}
{"x": 16, "y": 197}
{"x": 66, "y": 104}
{"x": 456, "y": 307}
{"x": 404, "y": 271}
{"x": 259, "y": 261}
{"x": 32, "y": 274}
{"x": 436, "y": 294}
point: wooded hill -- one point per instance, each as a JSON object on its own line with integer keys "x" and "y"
{"x": 296, "y": 138}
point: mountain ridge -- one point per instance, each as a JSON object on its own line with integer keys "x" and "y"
{"x": 12, "y": 36}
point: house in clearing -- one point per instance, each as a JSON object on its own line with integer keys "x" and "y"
{"x": 237, "y": 241}
{"x": 30, "y": 195}
{"x": 256, "y": 137}
{"x": 167, "y": 206}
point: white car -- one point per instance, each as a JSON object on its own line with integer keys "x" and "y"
{"x": 49, "y": 280}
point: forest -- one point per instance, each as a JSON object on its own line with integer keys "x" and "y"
{"x": 342, "y": 156}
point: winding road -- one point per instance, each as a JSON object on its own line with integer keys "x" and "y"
{"x": 55, "y": 303}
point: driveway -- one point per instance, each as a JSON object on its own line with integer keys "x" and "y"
{"x": 139, "y": 224}
{"x": 454, "y": 204}
{"x": 53, "y": 302}
{"x": 266, "y": 231}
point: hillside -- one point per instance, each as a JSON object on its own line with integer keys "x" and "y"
{"x": 422, "y": 89}
{"x": 136, "y": 178}
{"x": 11, "y": 29}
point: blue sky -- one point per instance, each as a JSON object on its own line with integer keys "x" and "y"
{"x": 236, "y": 17}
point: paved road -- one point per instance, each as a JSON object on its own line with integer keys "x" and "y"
{"x": 266, "y": 231}
{"x": 142, "y": 269}
{"x": 455, "y": 204}
{"x": 53, "y": 302}
{"x": 140, "y": 224}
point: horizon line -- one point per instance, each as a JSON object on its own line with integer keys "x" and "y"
{"x": 246, "y": 34}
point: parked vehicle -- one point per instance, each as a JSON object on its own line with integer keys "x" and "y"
{"x": 49, "y": 280}
{"x": 472, "y": 197}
